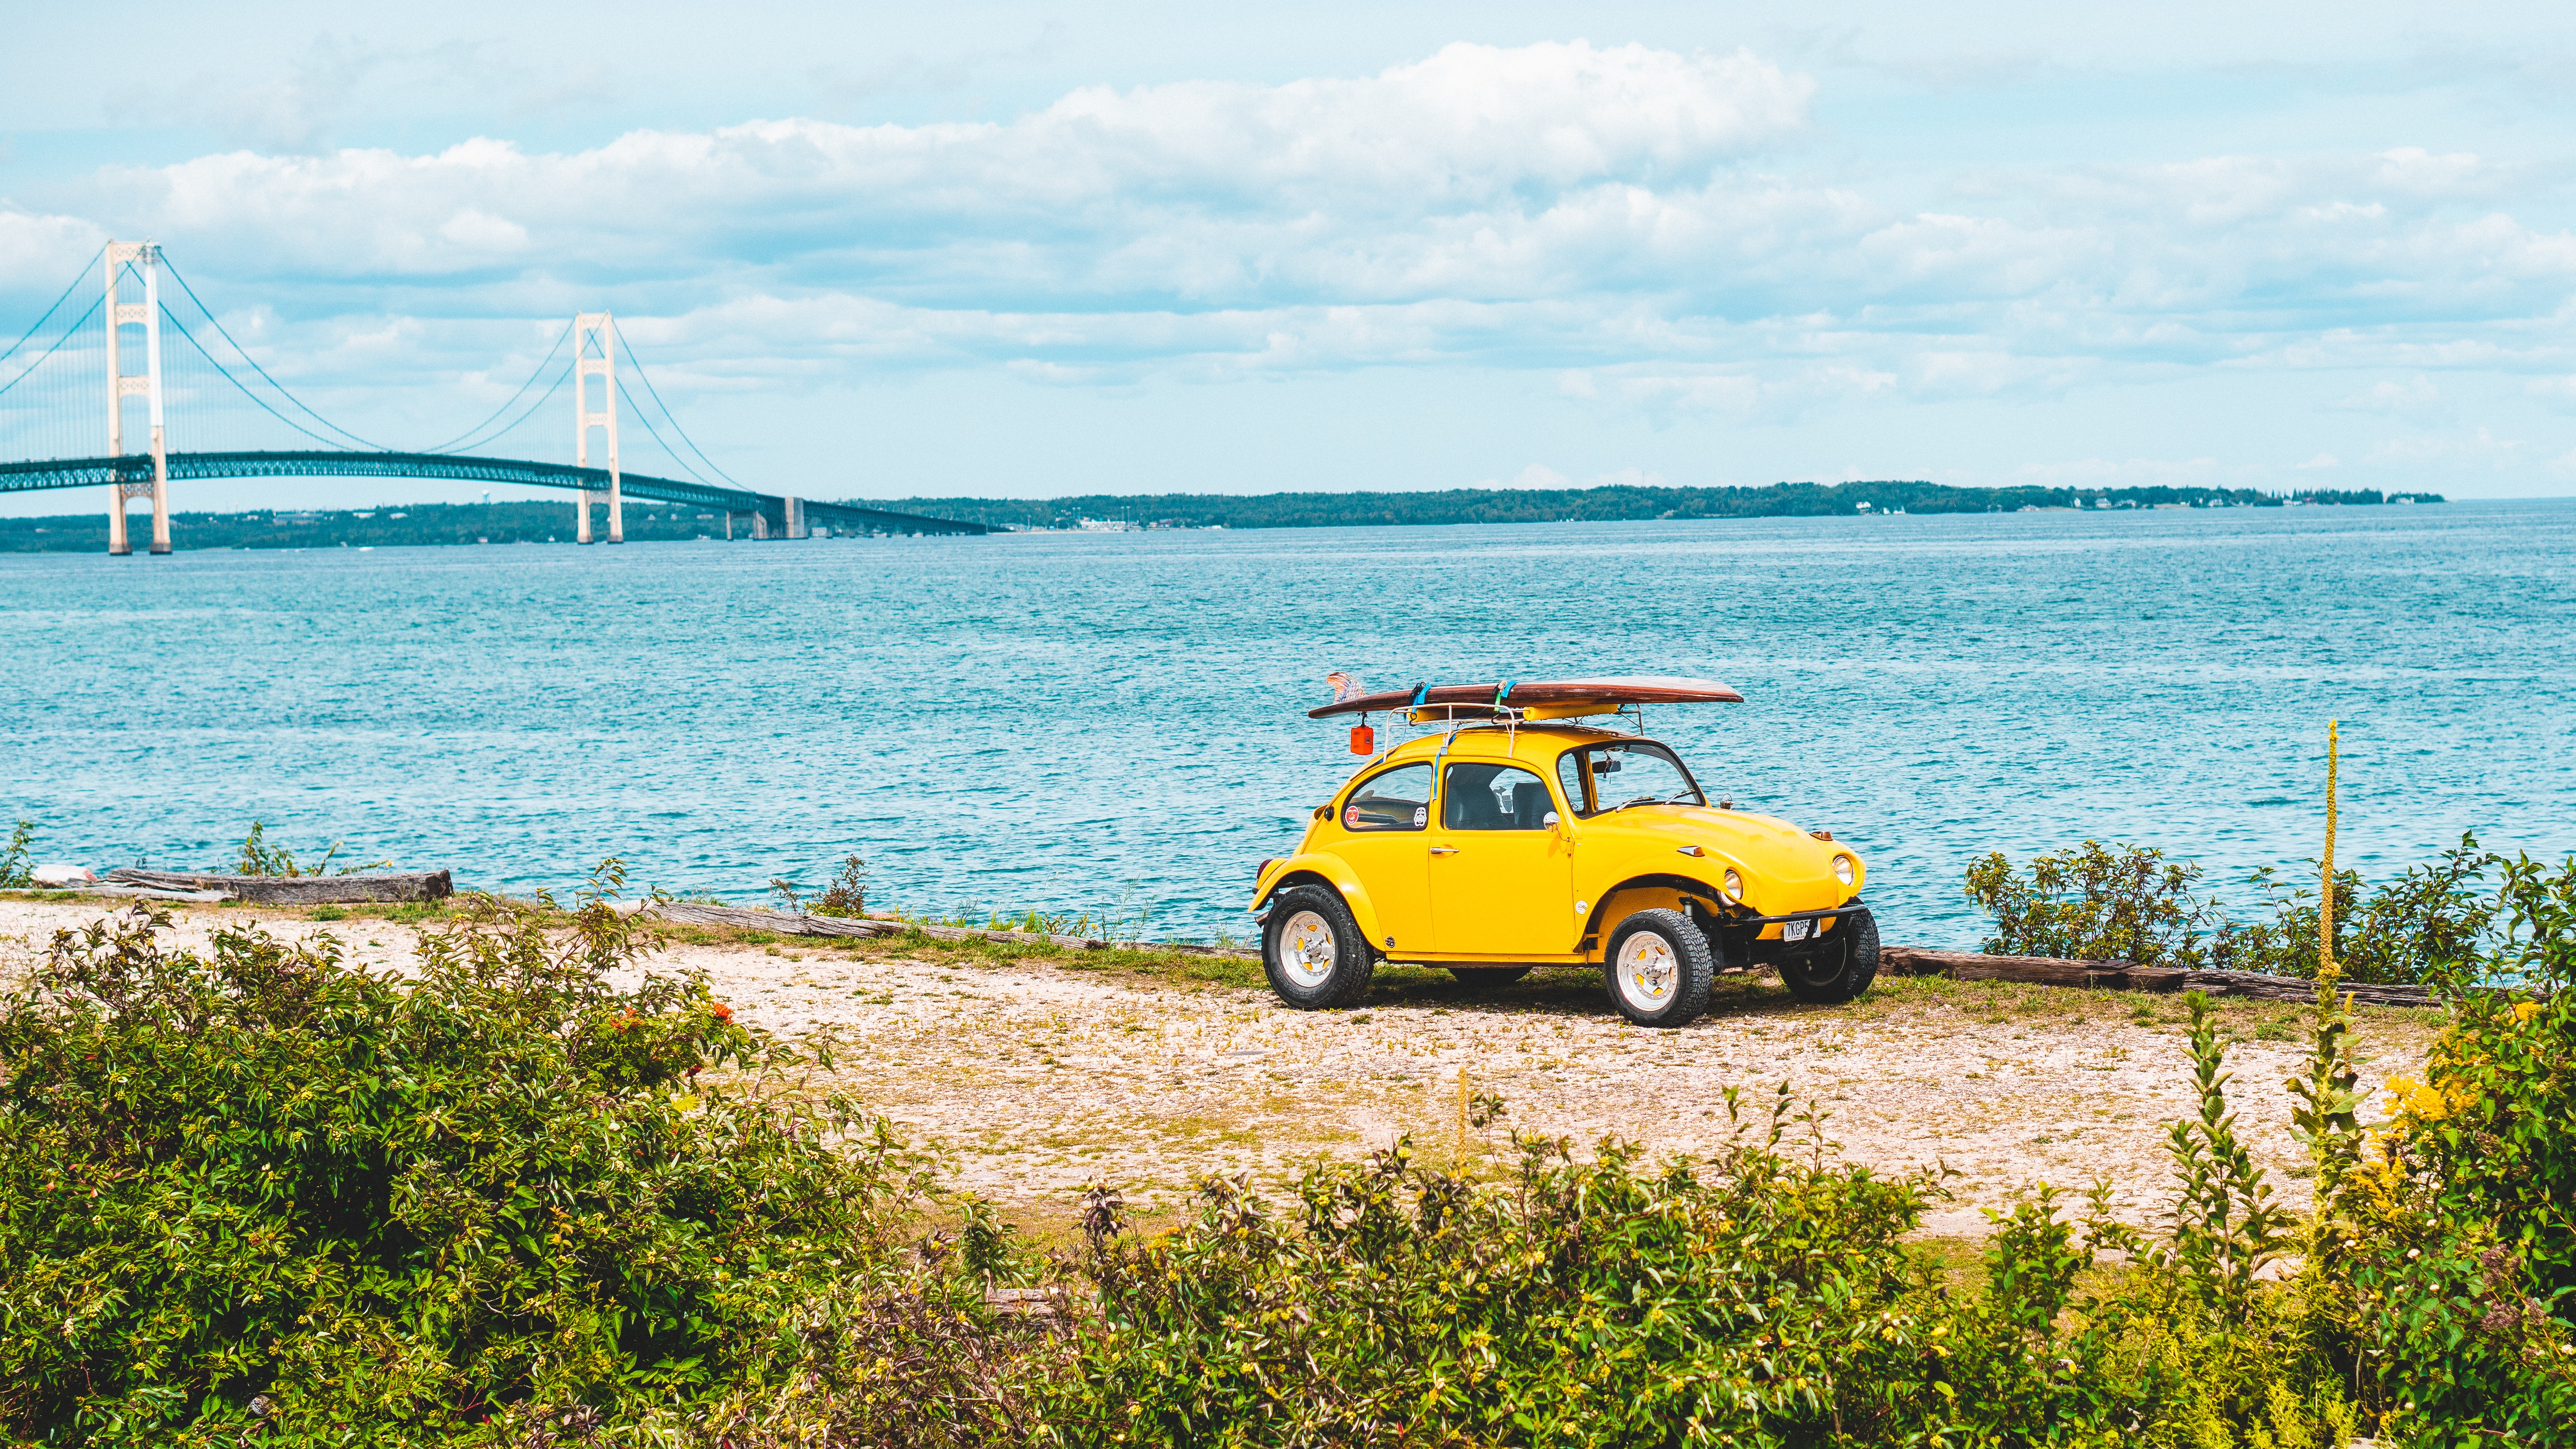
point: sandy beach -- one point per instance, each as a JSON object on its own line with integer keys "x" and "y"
{"x": 1032, "y": 1077}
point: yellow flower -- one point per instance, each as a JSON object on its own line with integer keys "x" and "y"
{"x": 684, "y": 1101}
{"x": 2416, "y": 1100}
{"x": 2525, "y": 1011}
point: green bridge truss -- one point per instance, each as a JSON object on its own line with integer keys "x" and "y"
{"x": 137, "y": 468}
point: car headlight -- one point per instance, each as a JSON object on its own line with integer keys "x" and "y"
{"x": 1843, "y": 869}
{"x": 1733, "y": 886}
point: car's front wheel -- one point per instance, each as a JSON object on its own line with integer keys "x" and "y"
{"x": 1836, "y": 973}
{"x": 1313, "y": 952}
{"x": 1659, "y": 969}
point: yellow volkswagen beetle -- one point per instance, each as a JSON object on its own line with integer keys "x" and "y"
{"x": 1519, "y": 835}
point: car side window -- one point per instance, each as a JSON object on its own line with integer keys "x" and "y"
{"x": 1397, "y": 799}
{"x": 1569, "y": 773}
{"x": 1494, "y": 797}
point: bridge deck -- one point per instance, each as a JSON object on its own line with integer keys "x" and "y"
{"x": 137, "y": 468}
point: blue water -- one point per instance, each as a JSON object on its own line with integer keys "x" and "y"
{"x": 1116, "y": 721}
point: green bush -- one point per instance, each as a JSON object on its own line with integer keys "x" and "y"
{"x": 1750, "y": 1300}
{"x": 267, "y": 1189}
{"x": 1762, "y": 1297}
{"x": 2461, "y": 1224}
{"x": 2428, "y": 925}
{"x": 2094, "y": 903}
{"x": 2127, "y": 903}
{"x": 258, "y": 857}
{"x": 17, "y": 859}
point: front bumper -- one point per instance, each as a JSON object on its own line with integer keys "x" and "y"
{"x": 1740, "y": 939}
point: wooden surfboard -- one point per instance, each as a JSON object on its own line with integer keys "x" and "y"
{"x": 1561, "y": 697}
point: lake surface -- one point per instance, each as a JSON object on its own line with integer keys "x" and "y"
{"x": 1115, "y": 722}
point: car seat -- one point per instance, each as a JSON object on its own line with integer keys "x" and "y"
{"x": 1530, "y": 805}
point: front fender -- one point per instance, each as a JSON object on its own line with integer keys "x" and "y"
{"x": 1679, "y": 884}
{"x": 1328, "y": 869}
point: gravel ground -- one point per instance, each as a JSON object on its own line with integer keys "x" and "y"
{"x": 1034, "y": 1076}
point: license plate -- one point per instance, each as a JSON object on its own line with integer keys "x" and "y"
{"x": 1794, "y": 930}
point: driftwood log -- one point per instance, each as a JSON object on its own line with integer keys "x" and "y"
{"x": 296, "y": 890}
{"x": 2128, "y": 976}
{"x": 152, "y": 893}
{"x": 1072, "y": 943}
{"x": 690, "y": 913}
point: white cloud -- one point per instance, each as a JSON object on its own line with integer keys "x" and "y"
{"x": 2321, "y": 460}
{"x": 472, "y": 230}
{"x": 2478, "y": 450}
{"x": 2132, "y": 472}
{"x": 1472, "y": 126}
{"x": 38, "y": 254}
{"x": 2416, "y": 394}
{"x": 1628, "y": 219}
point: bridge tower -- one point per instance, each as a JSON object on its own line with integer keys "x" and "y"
{"x": 146, "y": 384}
{"x": 599, "y": 330}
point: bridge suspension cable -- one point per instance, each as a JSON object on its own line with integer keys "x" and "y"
{"x": 77, "y": 278}
{"x": 463, "y": 440}
{"x": 260, "y": 402}
{"x": 656, "y": 395}
{"x": 244, "y": 354}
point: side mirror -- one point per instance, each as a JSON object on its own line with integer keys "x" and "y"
{"x": 1549, "y": 820}
{"x": 1324, "y": 811}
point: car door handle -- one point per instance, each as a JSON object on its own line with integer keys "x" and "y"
{"x": 1444, "y": 850}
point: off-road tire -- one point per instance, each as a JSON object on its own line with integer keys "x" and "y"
{"x": 1837, "y": 975}
{"x": 1297, "y": 912}
{"x": 1668, "y": 984}
{"x": 1488, "y": 978}
{"x": 1864, "y": 948}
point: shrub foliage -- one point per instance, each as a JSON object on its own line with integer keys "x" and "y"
{"x": 541, "y": 1195}
{"x": 269, "y": 1189}
{"x": 2129, "y": 903}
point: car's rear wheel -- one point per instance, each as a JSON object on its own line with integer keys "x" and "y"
{"x": 1659, "y": 969}
{"x": 1488, "y": 976}
{"x": 1313, "y": 952}
{"x": 1839, "y": 970}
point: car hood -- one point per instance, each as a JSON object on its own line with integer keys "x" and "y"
{"x": 1786, "y": 869}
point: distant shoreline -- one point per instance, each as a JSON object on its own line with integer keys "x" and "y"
{"x": 548, "y": 521}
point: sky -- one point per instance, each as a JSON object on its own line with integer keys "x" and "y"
{"x": 1032, "y": 249}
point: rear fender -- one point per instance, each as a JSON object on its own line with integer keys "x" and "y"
{"x": 1323, "y": 869}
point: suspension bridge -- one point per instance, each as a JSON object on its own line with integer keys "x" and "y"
{"x": 203, "y": 407}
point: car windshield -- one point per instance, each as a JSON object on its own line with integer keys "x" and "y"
{"x": 1634, "y": 772}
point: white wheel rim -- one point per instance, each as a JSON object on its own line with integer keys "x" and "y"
{"x": 1306, "y": 950}
{"x": 1649, "y": 971}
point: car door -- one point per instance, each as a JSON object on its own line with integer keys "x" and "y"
{"x": 1387, "y": 834}
{"x": 1501, "y": 876}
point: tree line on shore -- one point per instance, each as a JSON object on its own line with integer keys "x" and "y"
{"x": 1610, "y": 503}
{"x": 398, "y": 525}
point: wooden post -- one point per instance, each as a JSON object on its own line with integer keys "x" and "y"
{"x": 2326, "y": 970}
